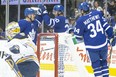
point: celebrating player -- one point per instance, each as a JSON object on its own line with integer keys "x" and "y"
{"x": 30, "y": 25}
{"x": 93, "y": 28}
{"x": 59, "y": 23}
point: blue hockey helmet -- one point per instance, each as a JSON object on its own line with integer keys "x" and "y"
{"x": 28, "y": 11}
{"x": 84, "y": 6}
{"x": 58, "y": 8}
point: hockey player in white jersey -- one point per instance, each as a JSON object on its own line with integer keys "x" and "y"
{"x": 8, "y": 68}
{"x": 22, "y": 50}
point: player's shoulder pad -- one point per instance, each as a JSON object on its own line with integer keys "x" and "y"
{"x": 98, "y": 12}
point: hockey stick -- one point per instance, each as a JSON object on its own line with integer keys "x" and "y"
{"x": 12, "y": 64}
{"x": 110, "y": 54}
{"x": 112, "y": 43}
{"x": 47, "y": 49}
{"x": 79, "y": 64}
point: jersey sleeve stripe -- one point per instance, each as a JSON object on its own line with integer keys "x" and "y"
{"x": 107, "y": 28}
{"x": 105, "y": 24}
{"x": 52, "y": 22}
{"x": 39, "y": 23}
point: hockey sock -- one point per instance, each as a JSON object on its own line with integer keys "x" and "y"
{"x": 97, "y": 68}
{"x": 104, "y": 68}
{"x": 105, "y": 71}
{"x": 98, "y": 72}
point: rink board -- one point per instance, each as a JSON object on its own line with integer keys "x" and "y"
{"x": 46, "y": 62}
{"x": 45, "y": 72}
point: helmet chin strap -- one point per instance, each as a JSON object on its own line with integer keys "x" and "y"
{"x": 30, "y": 18}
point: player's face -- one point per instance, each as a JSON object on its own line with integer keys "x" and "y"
{"x": 82, "y": 12}
{"x": 72, "y": 21}
{"x": 55, "y": 13}
{"x": 32, "y": 17}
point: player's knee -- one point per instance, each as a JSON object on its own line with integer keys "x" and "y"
{"x": 103, "y": 62}
{"x": 96, "y": 64}
{"x": 28, "y": 69}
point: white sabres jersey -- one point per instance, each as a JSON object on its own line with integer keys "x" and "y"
{"x": 27, "y": 50}
{"x": 8, "y": 68}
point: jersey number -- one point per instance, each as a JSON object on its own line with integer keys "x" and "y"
{"x": 94, "y": 28}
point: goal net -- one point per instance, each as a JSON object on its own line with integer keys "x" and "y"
{"x": 58, "y": 57}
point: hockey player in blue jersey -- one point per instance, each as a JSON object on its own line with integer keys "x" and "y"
{"x": 59, "y": 23}
{"x": 30, "y": 25}
{"x": 94, "y": 29}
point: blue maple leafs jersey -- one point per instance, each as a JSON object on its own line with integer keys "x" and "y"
{"x": 93, "y": 28}
{"x": 30, "y": 28}
{"x": 59, "y": 23}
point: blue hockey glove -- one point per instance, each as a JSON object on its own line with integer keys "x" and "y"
{"x": 71, "y": 31}
{"x": 43, "y": 9}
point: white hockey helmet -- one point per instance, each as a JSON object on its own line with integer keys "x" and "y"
{"x": 12, "y": 29}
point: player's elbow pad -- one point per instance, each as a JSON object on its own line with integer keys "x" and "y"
{"x": 110, "y": 33}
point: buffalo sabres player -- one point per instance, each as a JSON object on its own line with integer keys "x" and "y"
{"x": 59, "y": 23}
{"x": 94, "y": 29}
{"x": 30, "y": 25}
{"x": 8, "y": 67}
{"x": 22, "y": 50}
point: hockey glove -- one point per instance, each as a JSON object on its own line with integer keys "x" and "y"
{"x": 113, "y": 41}
{"x": 43, "y": 9}
{"x": 36, "y": 9}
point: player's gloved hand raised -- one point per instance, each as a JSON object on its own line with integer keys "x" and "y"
{"x": 43, "y": 9}
{"x": 36, "y": 9}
